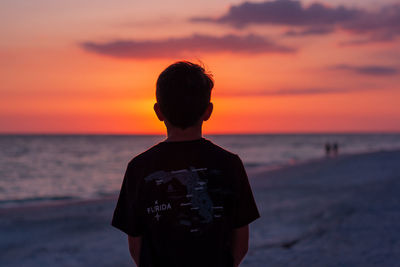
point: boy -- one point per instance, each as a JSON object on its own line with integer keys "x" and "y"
{"x": 185, "y": 201}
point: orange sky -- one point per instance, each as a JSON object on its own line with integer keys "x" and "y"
{"x": 51, "y": 83}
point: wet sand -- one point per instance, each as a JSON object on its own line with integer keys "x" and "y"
{"x": 341, "y": 211}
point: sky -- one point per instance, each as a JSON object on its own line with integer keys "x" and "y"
{"x": 280, "y": 66}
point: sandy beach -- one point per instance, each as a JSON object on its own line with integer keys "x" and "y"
{"x": 342, "y": 211}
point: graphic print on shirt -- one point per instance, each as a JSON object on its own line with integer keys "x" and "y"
{"x": 158, "y": 208}
{"x": 196, "y": 206}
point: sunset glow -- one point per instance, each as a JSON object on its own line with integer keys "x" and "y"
{"x": 91, "y": 67}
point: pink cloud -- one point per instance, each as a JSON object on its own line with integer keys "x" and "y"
{"x": 176, "y": 47}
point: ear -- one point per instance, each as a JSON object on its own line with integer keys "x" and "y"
{"x": 159, "y": 114}
{"x": 207, "y": 113}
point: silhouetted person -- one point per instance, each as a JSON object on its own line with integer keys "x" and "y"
{"x": 328, "y": 149}
{"x": 185, "y": 201}
{"x": 335, "y": 149}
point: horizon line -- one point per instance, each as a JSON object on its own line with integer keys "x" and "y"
{"x": 204, "y": 134}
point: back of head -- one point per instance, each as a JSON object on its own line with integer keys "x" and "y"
{"x": 183, "y": 93}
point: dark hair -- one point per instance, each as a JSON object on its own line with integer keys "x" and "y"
{"x": 183, "y": 92}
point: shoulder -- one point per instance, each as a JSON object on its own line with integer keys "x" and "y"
{"x": 144, "y": 158}
{"x": 221, "y": 153}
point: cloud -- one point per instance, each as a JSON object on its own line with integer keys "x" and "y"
{"x": 283, "y": 12}
{"x": 306, "y": 91}
{"x": 317, "y": 18}
{"x": 285, "y": 92}
{"x": 373, "y": 70}
{"x": 382, "y": 23}
{"x": 174, "y": 47}
{"x": 369, "y": 39}
{"x": 310, "y": 31}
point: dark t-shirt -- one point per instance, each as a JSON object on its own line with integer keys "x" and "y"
{"x": 185, "y": 199}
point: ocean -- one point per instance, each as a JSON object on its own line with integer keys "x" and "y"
{"x": 49, "y": 168}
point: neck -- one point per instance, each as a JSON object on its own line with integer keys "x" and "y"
{"x": 178, "y": 134}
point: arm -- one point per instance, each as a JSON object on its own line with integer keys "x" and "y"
{"x": 240, "y": 244}
{"x": 135, "y": 244}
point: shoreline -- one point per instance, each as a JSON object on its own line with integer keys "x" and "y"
{"x": 272, "y": 168}
{"x": 57, "y": 204}
{"x": 253, "y": 173}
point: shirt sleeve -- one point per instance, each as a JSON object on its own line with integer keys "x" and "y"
{"x": 127, "y": 217}
{"x": 245, "y": 208}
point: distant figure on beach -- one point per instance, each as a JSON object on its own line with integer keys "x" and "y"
{"x": 327, "y": 149}
{"x": 185, "y": 201}
{"x": 335, "y": 149}
{"x": 331, "y": 149}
